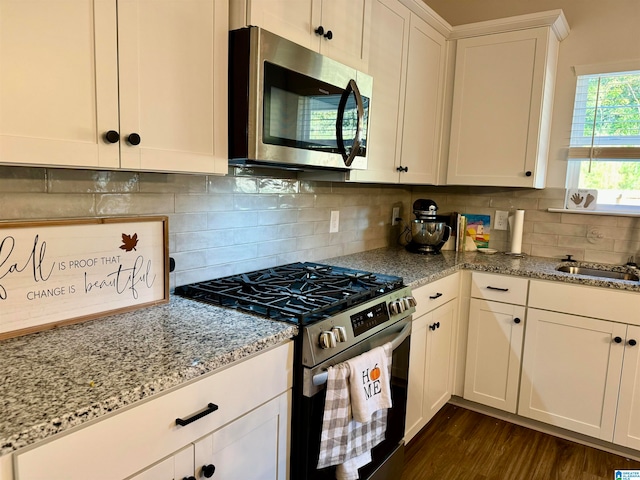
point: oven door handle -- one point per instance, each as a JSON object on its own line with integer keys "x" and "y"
{"x": 321, "y": 378}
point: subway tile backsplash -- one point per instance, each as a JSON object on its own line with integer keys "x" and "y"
{"x": 224, "y": 225}
{"x": 592, "y": 238}
{"x": 217, "y": 225}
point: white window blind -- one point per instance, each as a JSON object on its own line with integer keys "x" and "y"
{"x": 606, "y": 117}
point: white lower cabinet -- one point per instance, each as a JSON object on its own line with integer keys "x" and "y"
{"x": 571, "y": 372}
{"x": 494, "y": 342}
{"x": 176, "y": 467}
{"x": 431, "y": 357}
{"x": 579, "y": 372}
{"x": 264, "y": 432}
{"x": 494, "y": 350}
{"x": 627, "y": 430}
{"x": 252, "y": 447}
{"x": 249, "y": 427}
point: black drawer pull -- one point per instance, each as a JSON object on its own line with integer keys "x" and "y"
{"x": 498, "y": 288}
{"x": 437, "y": 295}
{"x": 212, "y": 407}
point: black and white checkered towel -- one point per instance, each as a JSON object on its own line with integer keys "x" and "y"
{"x": 343, "y": 439}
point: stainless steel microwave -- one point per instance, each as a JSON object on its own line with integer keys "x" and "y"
{"x": 292, "y": 107}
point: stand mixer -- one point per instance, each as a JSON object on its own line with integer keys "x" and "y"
{"x": 427, "y": 234}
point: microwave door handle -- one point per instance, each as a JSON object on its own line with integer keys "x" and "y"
{"x": 321, "y": 378}
{"x": 352, "y": 87}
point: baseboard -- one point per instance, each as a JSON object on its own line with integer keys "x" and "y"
{"x": 548, "y": 429}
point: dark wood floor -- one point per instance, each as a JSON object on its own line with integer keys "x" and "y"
{"x": 459, "y": 444}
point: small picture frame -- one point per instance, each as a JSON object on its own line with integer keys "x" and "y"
{"x": 581, "y": 199}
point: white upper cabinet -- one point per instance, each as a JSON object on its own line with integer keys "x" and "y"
{"x": 173, "y": 84}
{"x": 387, "y": 65}
{"x": 336, "y": 28}
{"x": 58, "y": 82}
{"x": 423, "y": 104}
{"x": 152, "y": 73}
{"x": 407, "y": 62}
{"x": 502, "y": 101}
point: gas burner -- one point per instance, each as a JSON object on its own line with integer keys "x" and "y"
{"x": 300, "y": 293}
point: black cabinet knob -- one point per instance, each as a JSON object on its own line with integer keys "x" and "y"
{"x": 134, "y": 139}
{"x": 402, "y": 169}
{"x": 617, "y": 339}
{"x": 528, "y": 173}
{"x": 319, "y": 30}
{"x": 632, "y": 342}
{"x": 208, "y": 470}
{"x": 328, "y": 35}
{"x": 189, "y": 478}
{"x": 112, "y": 136}
{"x": 516, "y": 320}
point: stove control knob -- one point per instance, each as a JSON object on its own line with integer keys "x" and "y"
{"x": 340, "y": 333}
{"x": 327, "y": 340}
{"x": 393, "y": 309}
{"x": 400, "y": 305}
{"x": 412, "y": 301}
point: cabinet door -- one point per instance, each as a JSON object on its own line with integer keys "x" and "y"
{"x": 349, "y": 24}
{"x": 571, "y": 372}
{"x": 176, "y": 467}
{"x": 423, "y": 104}
{"x": 430, "y": 366}
{"x": 290, "y": 19}
{"x": 387, "y": 65}
{"x": 627, "y": 430}
{"x": 498, "y": 131}
{"x": 173, "y": 58}
{"x": 58, "y": 82}
{"x": 253, "y": 447}
{"x": 494, "y": 352}
{"x": 440, "y": 347}
{"x": 417, "y": 368}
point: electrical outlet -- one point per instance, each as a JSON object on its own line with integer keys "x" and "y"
{"x": 395, "y": 215}
{"x": 334, "y": 225}
{"x": 501, "y": 220}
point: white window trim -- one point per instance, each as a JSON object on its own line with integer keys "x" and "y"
{"x": 573, "y": 167}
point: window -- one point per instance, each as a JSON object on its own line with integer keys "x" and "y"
{"x": 604, "y": 152}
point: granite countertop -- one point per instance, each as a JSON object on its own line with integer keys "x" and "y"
{"x": 418, "y": 270}
{"x": 57, "y": 379}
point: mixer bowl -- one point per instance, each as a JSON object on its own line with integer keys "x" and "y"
{"x": 429, "y": 234}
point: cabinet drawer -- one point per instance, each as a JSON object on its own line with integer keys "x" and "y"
{"x": 437, "y": 293}
{"x": 604, "y": 303}
{"x": 499, "y": 288}
{"x": 127, "y": 442}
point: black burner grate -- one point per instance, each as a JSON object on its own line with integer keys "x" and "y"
{"x": 299, "y": 292}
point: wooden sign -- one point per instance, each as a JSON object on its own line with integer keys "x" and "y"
{"x": 66, "y": 271}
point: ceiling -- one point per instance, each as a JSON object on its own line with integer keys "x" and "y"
{"x": 458, "y": 12}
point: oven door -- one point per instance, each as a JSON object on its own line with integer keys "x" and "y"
{"x": 388, "y": 456}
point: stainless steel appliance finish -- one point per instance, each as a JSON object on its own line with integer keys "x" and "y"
{"x": 596, "y": 272}
{"x": 294, "y": 108}
{"x": 388, "y": 456}
{"x": 428, "y": 235}
{"x": 341, "y": 313}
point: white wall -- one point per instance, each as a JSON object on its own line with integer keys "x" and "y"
{"x": 602, "y": 31}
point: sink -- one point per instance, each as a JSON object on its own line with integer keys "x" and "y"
{"x": 594, "y": 272}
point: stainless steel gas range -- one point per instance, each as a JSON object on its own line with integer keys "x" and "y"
{"x": 341, "y": 313}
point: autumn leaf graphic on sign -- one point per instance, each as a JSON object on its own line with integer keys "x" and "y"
{"x": 129, "y": 242}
